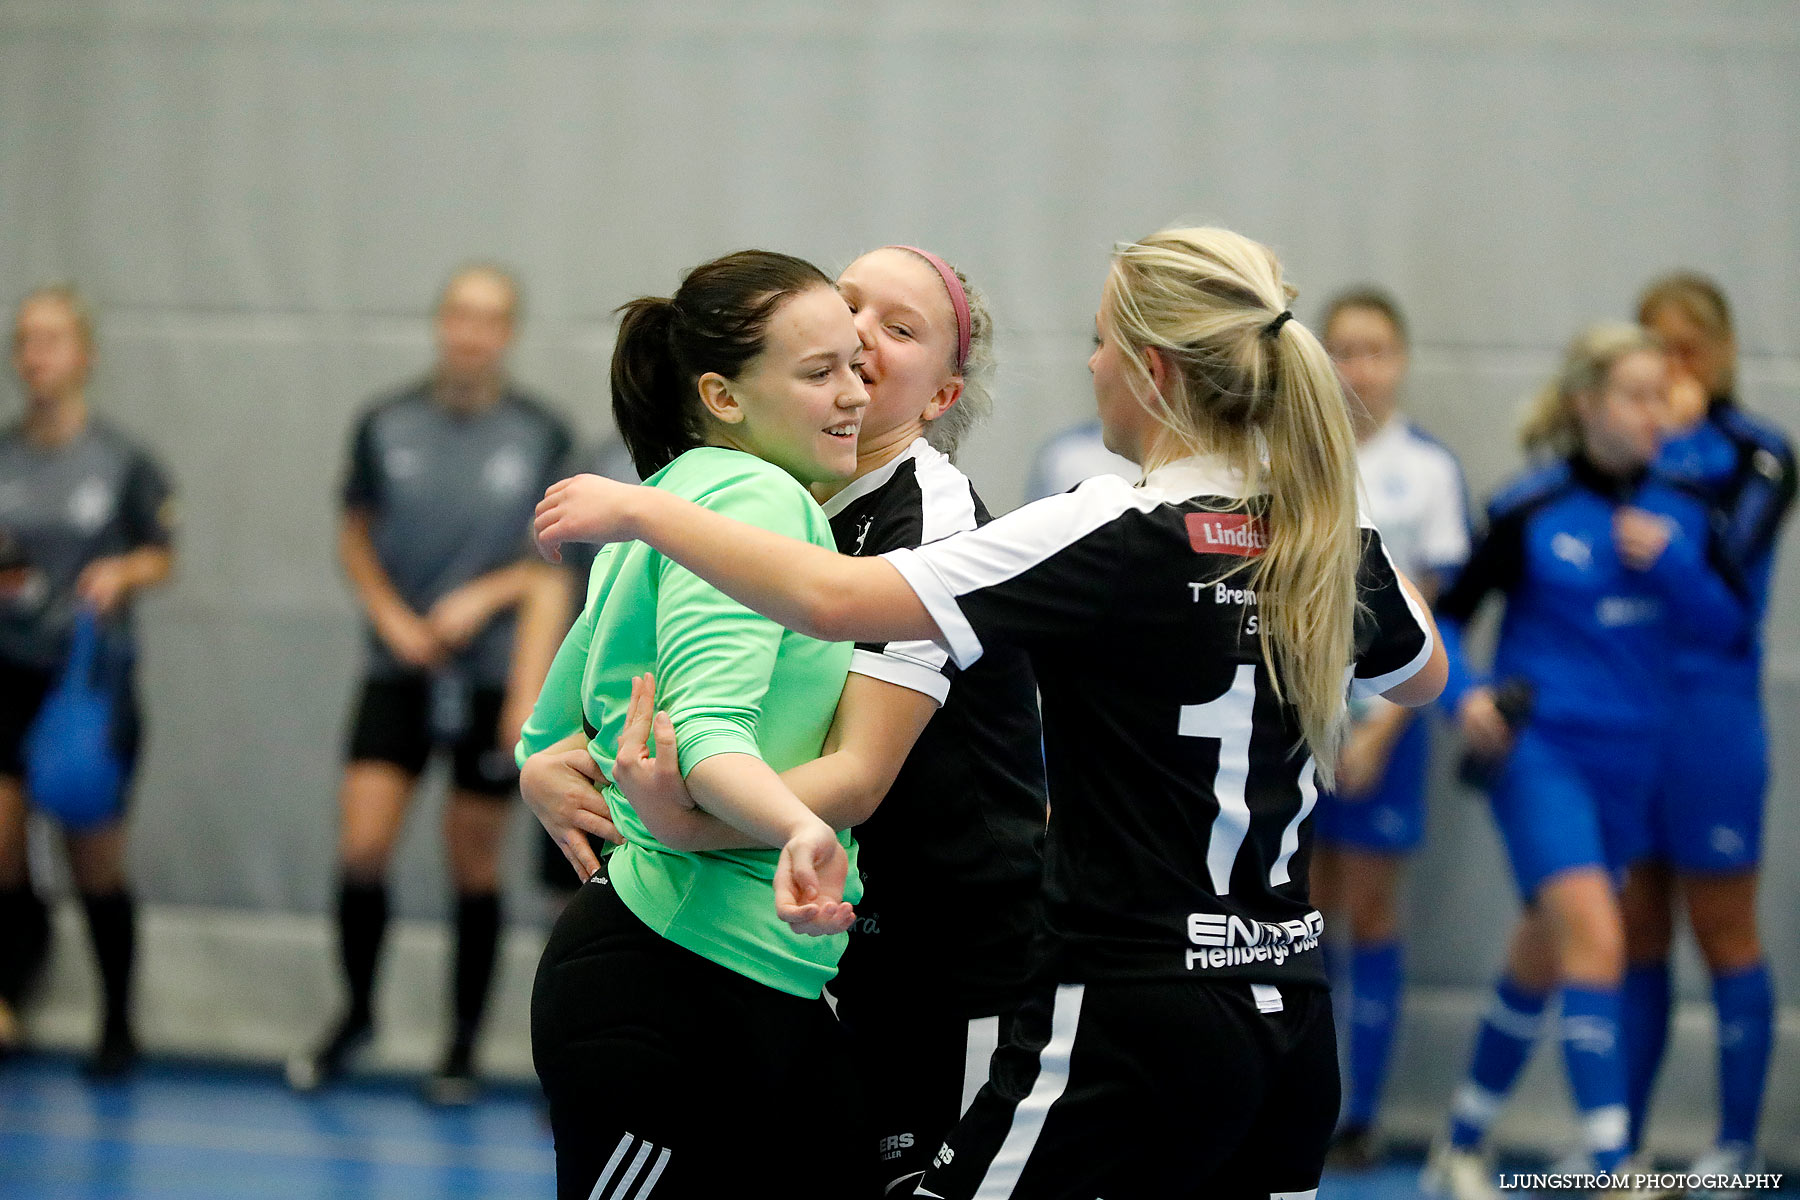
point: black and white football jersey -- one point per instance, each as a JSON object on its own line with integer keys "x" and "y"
{"x": 963, "y": 823}
{"x": 1180, "y": 787}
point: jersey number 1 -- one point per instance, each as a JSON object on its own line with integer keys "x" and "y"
{"x": 1228, "y": 721}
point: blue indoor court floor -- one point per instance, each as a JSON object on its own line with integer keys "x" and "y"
{"x": 208, "y": 1132}
{"x": 205, "y": 1132}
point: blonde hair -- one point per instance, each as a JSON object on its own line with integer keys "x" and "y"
{"x": 1263, "y": 394}
{"x": 976, "y": 403}
{"x": 70, "y": 297}
{"x": 1551, "y": 424}
{"x": 1698, "y": 299}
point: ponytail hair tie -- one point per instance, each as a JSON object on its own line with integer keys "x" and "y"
{"x": 1274, "y": 327}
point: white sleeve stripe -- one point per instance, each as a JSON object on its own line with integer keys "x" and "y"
{"x": 901, "y": 672}
{"x": 946, "y": 499}
{"x": 1011, "y": 545}
{"x": 927, "y": 654}
{"x": 1381, "y": 683}
{"x": 940, "y": 602}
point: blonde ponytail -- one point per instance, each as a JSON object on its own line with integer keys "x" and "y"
{"x": 1250, "y": 383}
{"x": 1551, "y": 425}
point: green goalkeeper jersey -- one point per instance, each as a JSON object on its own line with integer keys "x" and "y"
{"x": 733, "y": 682}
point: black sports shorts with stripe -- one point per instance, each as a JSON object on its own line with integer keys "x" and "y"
{"x": 920, "y": 1064}
{"x": 1154, "y": 1090}
{"x": 670, "y": 1076}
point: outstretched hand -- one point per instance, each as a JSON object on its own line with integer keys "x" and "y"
{"x": 809, "y": 883}
{"x": 581, "y": 508}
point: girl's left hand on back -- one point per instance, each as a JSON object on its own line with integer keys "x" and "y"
{"x": 646, "y": 768}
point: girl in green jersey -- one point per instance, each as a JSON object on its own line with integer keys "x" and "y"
{"x": 677, "y": 1023}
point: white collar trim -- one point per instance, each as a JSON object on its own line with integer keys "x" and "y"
{"x": 1197, "y": 475}
{"x": 920, "y": 449}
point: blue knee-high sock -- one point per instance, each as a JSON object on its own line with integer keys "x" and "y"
{"x": 1644, "y": 1022}
{"x": 1375, "y": 981}
{"x": 1502, "y": 1048}
{"x": 1596, "y": 1066}
{"x": 1746, "y": 1004}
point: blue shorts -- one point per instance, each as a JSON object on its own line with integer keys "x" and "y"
{"x": 1707, "y": 815}
{"x": 1390, "y": 819}
{"x": 1566, "y": 799}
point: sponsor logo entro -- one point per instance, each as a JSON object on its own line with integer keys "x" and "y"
{"x": 1230, "y": 941}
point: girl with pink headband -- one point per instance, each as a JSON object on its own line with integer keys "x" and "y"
{"x": 939, "y": 770}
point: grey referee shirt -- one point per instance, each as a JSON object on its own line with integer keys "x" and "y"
{"x": 60, "y": 509}
{"x": 449, "y": 497}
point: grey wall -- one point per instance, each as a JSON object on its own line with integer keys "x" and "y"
{"x": 263, "y": 198}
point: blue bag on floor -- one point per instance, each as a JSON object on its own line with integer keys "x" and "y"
{"x": 74, "y": 769}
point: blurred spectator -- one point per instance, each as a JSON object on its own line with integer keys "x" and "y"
{"x": 1413, "y": 490}
{"x": 1071, "y": 456}
{"x": 1604, "y": 567}
{"x": 1708, "y": 815}
{"x": 435, "y": 538}
{"x": 86, "y": 522}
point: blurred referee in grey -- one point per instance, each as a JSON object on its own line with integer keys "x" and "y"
{"x": 462, "y": 620}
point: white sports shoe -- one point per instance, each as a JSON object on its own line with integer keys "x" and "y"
{"x": 1457, "y": 1174}
{"x": 1731, "y": 1158}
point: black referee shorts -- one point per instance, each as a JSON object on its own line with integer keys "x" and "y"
{"x": 393, "y": 725}
{"x": 919, "y": 1063}
{"x": 1151, "y": 1091}
{"x": 670, "y": 1076}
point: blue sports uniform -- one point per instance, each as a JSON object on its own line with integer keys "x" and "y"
{"x": 1413, "y": 490}
{"x": 1707, "y": 814}
{"x": 1593, "y": 638}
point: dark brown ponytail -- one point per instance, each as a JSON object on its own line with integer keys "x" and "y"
{"x": 715, "y": 322}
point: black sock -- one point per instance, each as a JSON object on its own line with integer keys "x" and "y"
{"x": 112, "y": 926}
{"x": 477, "y": 940}
{"x": 362, "y": 926}
{"x": 24, "y": 939}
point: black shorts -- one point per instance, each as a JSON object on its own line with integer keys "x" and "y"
{"x": 394, "y": 725}
{"x": 671, "y": 1076}
{"x": 919, "y": 1066}
{"x": 22, "y": 693}
{"x": 1135, "y": 1091}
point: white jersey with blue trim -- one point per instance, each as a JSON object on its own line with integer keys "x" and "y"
{"x": 1413, "y": 490}
{"x": 1069, "y": 457}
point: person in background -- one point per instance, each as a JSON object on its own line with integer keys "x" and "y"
{"x": 1374, "y": 819}
{"x": 1604, "y": 568}
{"x": 1708, "y": 814}
{"x": 86, "y": 523}
{"x": 1077, "y": 453}
{"x": 435, "y": 540}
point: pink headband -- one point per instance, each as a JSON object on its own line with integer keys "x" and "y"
{"x": 959, "y": 300}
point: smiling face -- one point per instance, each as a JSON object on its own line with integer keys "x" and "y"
{"x": 908, "y": 333}
{"x": 799, "y": 403}
{"x": 1622, "y": 420}
{"x": 50, "y": 350}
